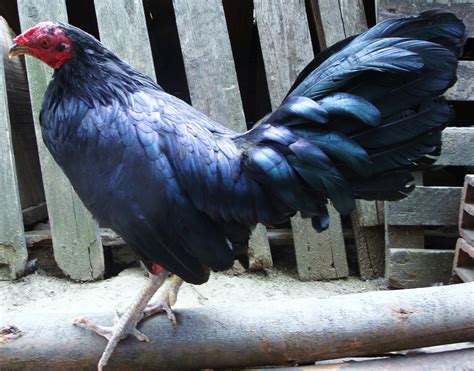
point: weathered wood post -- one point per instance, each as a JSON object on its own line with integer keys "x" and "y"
{"x": 409, "y": 264}
{"x": 335, "y": 21}
{"x": 13, "y": 253}
{"x": 286, "y": 48}
{"x": 213, "y": 85}
{"x": 463, "y": 90}
{"x": 28, "y": 169}
{"x": 76, "y": 241}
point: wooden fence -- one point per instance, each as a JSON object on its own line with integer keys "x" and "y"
{"x": 284, "y": 29}
{"x": 408, "y": 263}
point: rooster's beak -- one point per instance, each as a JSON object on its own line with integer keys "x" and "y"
{"x": 17, "y": 50}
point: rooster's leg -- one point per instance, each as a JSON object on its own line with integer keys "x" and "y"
{"x": 165, "y": 299}
{"x": 126, "y": 323}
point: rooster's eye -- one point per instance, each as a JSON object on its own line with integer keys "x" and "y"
{"x": 44, "y": 44}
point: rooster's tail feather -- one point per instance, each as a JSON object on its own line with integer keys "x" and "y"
{"x": 360, "y": 116}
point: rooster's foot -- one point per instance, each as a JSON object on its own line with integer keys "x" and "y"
{"x": 125, "y": 324}
{"x": 108, "y": 331}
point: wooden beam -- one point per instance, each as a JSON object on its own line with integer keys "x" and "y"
{"x": 427, "y": 206}
{"x": 213, "y": 84}
{"x": 13, "y": 253}
{"x": 464, "y": 9}
{"x": 410, "y": 237}
{"x": 463, "y": 89}
{"x": 35, "y": 238}
{"x": 34, "y": 214}
{"x": 277, "y": 237}
{"x": 457, "y": 147}
{"x": 254, "y": 333}
{"x": 401, "y": 237}
{"x": 286, "y": 50}
{"x": 408, "y": 268}
{"x": 77, "y": 247}
{"x": 43, "y": 238}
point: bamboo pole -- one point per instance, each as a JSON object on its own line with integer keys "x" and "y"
{"x": 255, "y": 334}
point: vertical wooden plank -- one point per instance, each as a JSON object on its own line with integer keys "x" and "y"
{"x": 320, "y": 256}
{"x": 13, "y": 253}
{"x": 122, "y": 28}
{"x": 76, "y": 241}
{"x": 371, "y": 213}
{"x": 208, "y": 61}
{"x": 370, "y": 241}
{"x": 400, "y": 239}
{"x": 213, "y": 85}
{"x": 335, "y": 20}
{"x": 353, "y": 16}
{"x": 370, "y": 244}
{"x": 115, "y": 33}
{"x": 410, "y": 237}
{"x": 133, "y": 47}
{"x": 338, "y": 19}
{"x": 463, "y": 89}
{"x": 426, "y": 206}
{"x": 286, "y": 48}
{"x": 410, "y": 268}
{"x": 27, "y": 164}
{"x": 367, "y": 225}
{"x": 286, "y": 43}
{"x": 328, "y": 20}
{"x": 404, "y": 239}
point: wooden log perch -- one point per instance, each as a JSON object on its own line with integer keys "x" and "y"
{"x": 254, "y": 334}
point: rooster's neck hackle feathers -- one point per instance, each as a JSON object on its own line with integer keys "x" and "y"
{"x": 95, "y": 74}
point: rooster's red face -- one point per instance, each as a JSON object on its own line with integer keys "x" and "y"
{"x": 46, "y": 41}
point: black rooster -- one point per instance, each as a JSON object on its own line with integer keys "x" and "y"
{"x": 184, "y": 191}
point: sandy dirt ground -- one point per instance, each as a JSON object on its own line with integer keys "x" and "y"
{"x": 40, "y": 293}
